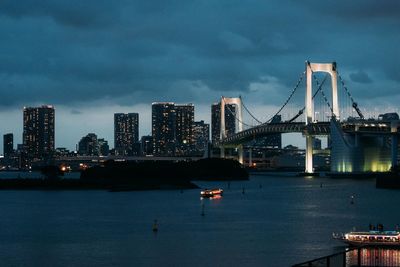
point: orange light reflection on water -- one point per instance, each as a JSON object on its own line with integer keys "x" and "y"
{"x": 374, "y": 257}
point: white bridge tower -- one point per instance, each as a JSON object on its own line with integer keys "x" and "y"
{"x": 231, "y": 101}
{"x": 329, "y": 68}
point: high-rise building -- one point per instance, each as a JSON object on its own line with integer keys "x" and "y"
{"x": 201, "y": 134}
{"x": 126, "y": 133}
{"x": 89, "y": 145}
{"x": 163, "y": 128}
{"x": 39, "y": 130}
{"x": 146, "y": 145}
{"x": 184, "y": 129}
{"x": 8, "y": 145}
{"x": 230, "y": 120}
{"x": 104, "y": 148}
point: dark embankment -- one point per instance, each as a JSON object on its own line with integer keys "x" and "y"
{"x": 121, "y": 176}
{"x": 162, "y": 174}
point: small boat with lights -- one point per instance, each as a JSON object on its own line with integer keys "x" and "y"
{"x": 211, "y": 192}
{"x": 370, "y": 238}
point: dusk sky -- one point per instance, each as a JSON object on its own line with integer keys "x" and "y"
{"x": 93, "y": 58}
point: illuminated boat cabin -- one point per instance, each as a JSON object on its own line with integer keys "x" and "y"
{"x": 211, "y": 192}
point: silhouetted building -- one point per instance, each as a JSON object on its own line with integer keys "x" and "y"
{"x": 230, "y": 120}
{"x": 38, "y": 133}
{"x": 63, "y": 152}
{"x": 146, "y": 145}
{"x": 104, "y": 148}
{"x": 184, "y": 144}
{"x": 201, "y": 134}
{"x": 88, "y": 145}
{"x": 317, "y": 144}
{"x": 389, "y": 116}
{"x": 8, "y": 145}
{"x": 271, "y": 140}
{"x": 163, "y": 128}
{"x": 126, "y": 133}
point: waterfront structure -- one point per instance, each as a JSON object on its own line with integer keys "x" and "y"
{"x": 39, "y": 131}
{"x": 126, "y": 133}
{"x": 358, "y": 152}
{"x": 230, "y": 120}
{"x": 8, "y": 145}
{"x": 146, "y": 145}
{"x": 184, "y": 139}
{"x": 163, "y": 128}
{"x": 201, "y": 135}
{"x": 88, "y": 145}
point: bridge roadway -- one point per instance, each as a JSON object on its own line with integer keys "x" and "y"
{"x": 318, "y": 129}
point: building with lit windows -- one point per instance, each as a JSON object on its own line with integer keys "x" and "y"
{"x": 88, "y": 145}
{"x": 126, "y": 133}
{"x": 146, "y": 145}
{"x": 201, "y": 134}
{"x": 163, "y": 119}
{"x": 8, "y": 145}
{"x": 39, "y": 131}
{"x": 184, "y": 139}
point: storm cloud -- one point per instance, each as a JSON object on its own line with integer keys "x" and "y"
{"x": 81, "y": 53}
{"x": 65, "y": 52}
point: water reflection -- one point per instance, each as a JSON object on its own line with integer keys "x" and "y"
{"x": 373, "y": 257}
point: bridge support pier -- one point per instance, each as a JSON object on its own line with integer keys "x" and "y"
{"x": 222, "y": 152}
{"x": 309, "y": 154}
{"x": 240, "y": 154}
{"x": 395, "y": 142}
{"x": 250, "y": 157}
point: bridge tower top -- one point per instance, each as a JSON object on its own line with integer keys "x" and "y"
{"x": 226, "y": 101}
{"x": 329, "y": 68}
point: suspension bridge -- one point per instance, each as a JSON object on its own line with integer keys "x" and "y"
{"x": 331, "y": 112}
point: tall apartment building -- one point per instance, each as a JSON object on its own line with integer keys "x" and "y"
{"x": 201, "y": 134}
{"x": 184, "y": 145}
{"x": 163, "y": 128}
{"x": 126, "y": 133}
{"x": 39, "y": 130}
{"x": 8, "y": 145}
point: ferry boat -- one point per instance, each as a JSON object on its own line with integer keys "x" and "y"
{"x": 211, "y": 192}
{"x": 370, "y": 238}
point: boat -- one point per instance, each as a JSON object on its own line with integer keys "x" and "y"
{"x": 370, "y": 238}
{"x": 211, "y": 192}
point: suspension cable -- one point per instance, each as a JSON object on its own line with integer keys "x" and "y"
{"x": 234, "y": 115}
{"x": 322, "y": 92}
{"x": 288, "y": 99}
{"x": 248, "y": 111}
{"x": 315, "y": 94}
{"x": 354, "y": 104}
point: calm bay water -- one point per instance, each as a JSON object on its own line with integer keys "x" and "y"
{"x": 285, "y": 221}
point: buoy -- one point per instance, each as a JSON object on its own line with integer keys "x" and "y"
{"x": 155, "y": 226}
{"x": 320, "y": 185}
{"x": 352, "y": 200}
{"x": 243, "y": 190}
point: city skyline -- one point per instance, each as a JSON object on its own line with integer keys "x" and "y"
{"x": 96, "y": 59}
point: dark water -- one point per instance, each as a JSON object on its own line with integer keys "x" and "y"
{"x": 286, "y": 221}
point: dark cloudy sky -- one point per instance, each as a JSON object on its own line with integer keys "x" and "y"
{"x": 95, "y": 57}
